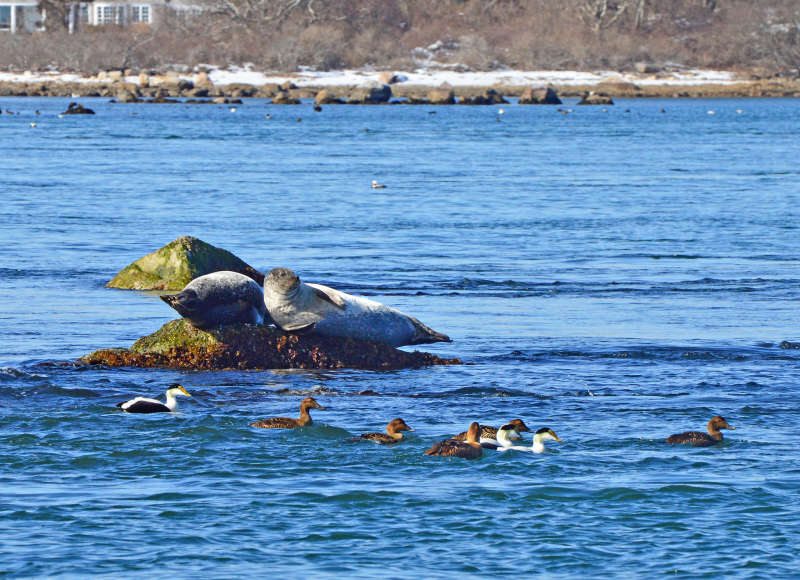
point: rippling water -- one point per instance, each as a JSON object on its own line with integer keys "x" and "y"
{"x": 617, "y": 275}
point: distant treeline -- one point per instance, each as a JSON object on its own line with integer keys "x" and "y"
{"x": 402, "y": 34}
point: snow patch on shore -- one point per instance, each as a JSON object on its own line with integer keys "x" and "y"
{"x": 423, "y": 77}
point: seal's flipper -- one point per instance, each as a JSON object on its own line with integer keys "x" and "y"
{"x": 329, "y": 296}
{"x": 298, "y": 328}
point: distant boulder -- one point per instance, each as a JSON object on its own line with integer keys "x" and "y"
{"x": 284, "y": 98}
{"x": 539, "y": 96}
{"x": 372, "y": 93}
{"x": 442, "y": 95}
{"x": 488, "y": 97}
{"x": 287, "y": 86}
{"x": 175, "y": 265}
{"x": 388, "y": 78}
{"x": 592, "y": 98}
{"x": 77, "y": 109}
{"x": 646, "y": 68}
{"x": 324, "y": 97}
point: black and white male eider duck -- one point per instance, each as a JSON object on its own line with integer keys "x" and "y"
{"x": 468, "y": 449}
{"x": 541, "y": 435}
{"x": 145, "y": 405}
{"x": 700, "y": 439}
{"x": 394, "y": 433}
{"x": 376, "y": 185}
{"x": 489, "y": 433}
{"x": 290, "y": 423}
{"x": 506, "y": 435}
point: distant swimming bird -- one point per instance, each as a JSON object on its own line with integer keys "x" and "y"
{"x": 469, "y": 449}
{"x": 299, "y": 119}
{"x": 36, "y": 112}
{"x": 289, "y": 423}
{"x": 488, "y": 434}
{"x": 710, "y": 112}
{"x": 60, "y": 116}
{"x": 394, "y": 433}
{"x": 739, "y": 111}
{"x": 33, "y": 124}
{"x": 268, "y": 116}
{"x": 500, "y": 112}
{"x": 700, "y": 439}
{"x": 232, "y": 109}
{"x": 317, "y": 108}
{"x": 542, "y": 435}
{"x": 145, "y": 405}
{"x": 376, "y": 185}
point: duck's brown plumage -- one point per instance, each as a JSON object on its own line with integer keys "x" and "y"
{"x": 469, "y": 449}
{"x": 700, "y": 439}
{"x": 288, "y": 422}
{"x": 489, "y": 432}
{"x": 394, "y": 433}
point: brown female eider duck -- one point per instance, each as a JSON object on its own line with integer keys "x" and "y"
{"x": 289, "y": 423}
{"x": 469, "y": 449}
{"x": 489, "y": 434}
{"x": 394, "y": 433}
{"x": 700, "y": 439}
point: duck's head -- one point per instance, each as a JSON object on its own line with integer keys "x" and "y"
{"x": 520, "y": 425}
{"x": 310, "y": 403}
{"x": 397, "y": 425}
{"x": 474, "y": 432}
{"x": 545, "y": 434}
{"x": 717, "y": 423}
{"x": 175, "y": 389}
{"x": 281, "y": 280}
{"x": 507, "y": 433}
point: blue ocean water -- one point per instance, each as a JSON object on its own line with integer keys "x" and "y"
{"x": 616, "y": 274}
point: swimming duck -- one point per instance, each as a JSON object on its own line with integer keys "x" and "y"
{"x": 505, "y": 437}
{"x": 394, "y": 433}
{"x": 542, "y": 435}
{"x": 700, "y": 439}
{"x": 376, "y": 185}
{"x": 289, "y": 423}
{"x": 489, "y": 434}
{"x": 469, "y": 449}
{"x": 145, "y": 405}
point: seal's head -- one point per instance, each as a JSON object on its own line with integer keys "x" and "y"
{"x": 281, "y": 280}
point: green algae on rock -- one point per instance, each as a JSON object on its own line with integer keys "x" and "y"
{"x": 175, "y": 265}
{"x": 180, "y": 345}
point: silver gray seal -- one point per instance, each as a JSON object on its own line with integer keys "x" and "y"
{"x": 297, "y": 306}
{"x": 220, "y": 298}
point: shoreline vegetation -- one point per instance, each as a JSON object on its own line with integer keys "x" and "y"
{"x": 433, "y": 87}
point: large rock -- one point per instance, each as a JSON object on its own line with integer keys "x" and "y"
{"x": 372, "y": 93}
{"x": 284, "y": 98}
{"x": 324, "y": 97}
{"x": 444, "y": 95}
{"x": 592, "y": 98}
{"x": 178, "y": 263}
{"x": 539, "y": 96}
{"x": 488, "y": 97}
{"x": 180, "y": 345}
{"x": 77, "y": 109}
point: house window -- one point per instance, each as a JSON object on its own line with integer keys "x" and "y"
{"x": 108, "y": 14}
{"x": 140, "y": 13}
{"x": 83, "y": 14}
{"x": 5, "y": 17}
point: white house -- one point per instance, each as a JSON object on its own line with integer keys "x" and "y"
{"x": 21, "y": 16}
{"x": 29, "y": 16}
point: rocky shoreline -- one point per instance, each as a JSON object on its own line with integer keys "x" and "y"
{"x": 179, "y": 345}
{"x": 173, "y": 87}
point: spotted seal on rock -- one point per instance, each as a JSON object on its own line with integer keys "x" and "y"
{"x": 297, "y": 306}
{"x": 220, "y": 298}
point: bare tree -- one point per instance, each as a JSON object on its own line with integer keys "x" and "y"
{"x": 601, "y": 14}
